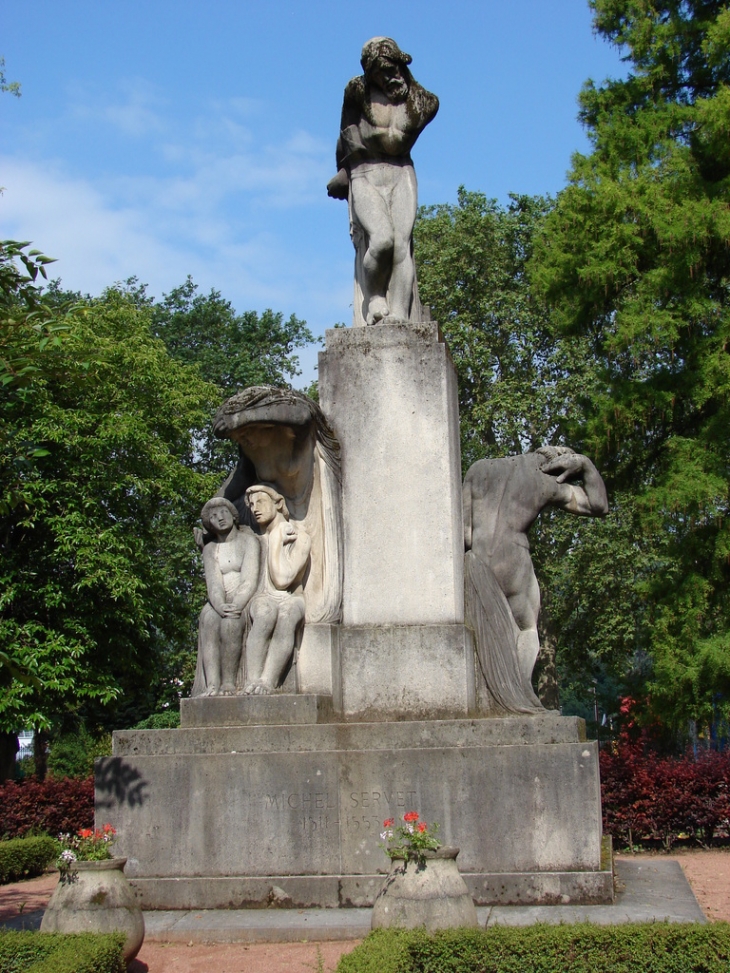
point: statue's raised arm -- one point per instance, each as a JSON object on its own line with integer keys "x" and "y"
{"x": 383, "y": 113}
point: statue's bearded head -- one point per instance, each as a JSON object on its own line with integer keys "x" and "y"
{"x": 386, "y": 66}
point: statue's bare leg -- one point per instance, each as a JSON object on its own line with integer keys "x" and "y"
{"x": 403, "y": 206}
{"x": 525, "y": 606}
{"x": 282, "y": 643}
{"x": 263, "y": 616}
{"x": 231, "y": 647}
{"x": 210, "y": 646}
{"x": 371, "y": 212}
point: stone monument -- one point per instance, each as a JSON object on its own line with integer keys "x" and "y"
{"x": 376, "y": 701}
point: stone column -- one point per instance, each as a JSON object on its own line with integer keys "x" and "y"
{"x": 402, "y": 651}
{"x": 390, "y": 393}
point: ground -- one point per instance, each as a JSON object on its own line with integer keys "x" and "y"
{"x": 708, "y": 873}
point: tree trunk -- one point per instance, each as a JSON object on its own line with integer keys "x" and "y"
{"x": 40, "y": 753}
{"x": 8, "y": 749}
{"x": 546, "y": 670}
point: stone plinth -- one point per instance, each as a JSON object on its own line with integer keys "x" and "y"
{"x": 404, "y": 672}
{"x": 390, "y": 393}
{"x": 213, "y": 817}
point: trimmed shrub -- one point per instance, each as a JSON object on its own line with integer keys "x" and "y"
{"x": 169, "y": 719}
{"x": 51, "y": 806}
{"x": 580, "y": 948}
{"x": 25, "y": 857}
{"x": 647, "y": 797}
{"x": 37, "y": 952}
{"x": 73, "y": 754}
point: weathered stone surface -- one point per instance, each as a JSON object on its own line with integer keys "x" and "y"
{"x": 301, "y": 737}
{"x": 282, "y": 709}
{"x": 96, "y": 897}
{"x": 314, "y": 659}
{"x": 390, "y": 672}
{"x": 429, "y": 894}
{"x": 311, "y": 802}
{"x": 390, "y": 393}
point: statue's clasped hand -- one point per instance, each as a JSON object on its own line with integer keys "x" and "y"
{"x": 568, "y": 466}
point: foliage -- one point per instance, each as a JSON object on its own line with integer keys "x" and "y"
{"x": 97, "y": 564}
{"x": 73, "y": 754}
{"x": 647, "y": 797}
{"x": 11, "y": 87}
{"x": 410, "y": 839}
{"x": 23, "y": 952}
{"x": 518, "y": 382}
{"x": 87, "y": 845}
{"x": 634, "y": 259}
{"x": 581, "y": 948}
{"x": 169, "y": 719}
{"x": 51, "y": 806}
{"x": 232, "y": 350}
{"x": 25, "y": 857}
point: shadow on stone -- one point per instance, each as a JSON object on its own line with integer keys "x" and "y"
{"x": 118, "y": 783}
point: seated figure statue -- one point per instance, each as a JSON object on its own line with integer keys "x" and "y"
{"x": 502, "y": 499}
{"x": 277, "y": 610}
{"x": 232, "y": 559}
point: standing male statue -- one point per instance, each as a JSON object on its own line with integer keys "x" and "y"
{"x": 383, "y": 113}
{"x": 502, "y": 499}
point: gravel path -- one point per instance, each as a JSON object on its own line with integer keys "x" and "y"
{"x": 708, "y": 873}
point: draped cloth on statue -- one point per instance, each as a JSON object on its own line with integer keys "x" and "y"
{"x": 488, "y": 614}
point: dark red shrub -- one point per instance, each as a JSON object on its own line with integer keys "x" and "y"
{"x": 646, "y": 797}
{"x": 52, "y": 806}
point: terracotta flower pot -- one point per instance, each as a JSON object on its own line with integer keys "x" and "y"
{"x": 431, "y": 895}
{"x": 96, "y": 897}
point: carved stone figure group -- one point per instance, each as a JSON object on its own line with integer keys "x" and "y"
{"x": 250, "y": 622}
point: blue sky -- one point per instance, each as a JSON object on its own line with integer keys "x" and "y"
{"x": 160, "y": 139}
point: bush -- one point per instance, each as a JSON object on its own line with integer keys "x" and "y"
{"x": 37, "y": 952}
{"x": 167, "y": 720}
{"x": 25, "y": 857}
{"x": 647, "y": 797}
{"x": 73, "y": 754}
{"x": 51, "y": 806}
{"x": 580, "y": 948}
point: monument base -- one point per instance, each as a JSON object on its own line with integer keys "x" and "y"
{"x": 214, "y": 816}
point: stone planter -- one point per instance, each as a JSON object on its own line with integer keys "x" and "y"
{"x": 432, "y": 895}
{"x": 96, "y": 897}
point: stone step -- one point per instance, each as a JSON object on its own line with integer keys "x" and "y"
{"x": 279, "y": 709}
{"x": 303, "y": 736}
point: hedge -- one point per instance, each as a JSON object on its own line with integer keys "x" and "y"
{"x": 651, "y": 798}
{"x": 50, "y": 806}
{"x": 581, "y": 948}
{"x": 25, "y": 857}
{"x": 37, "y": 952}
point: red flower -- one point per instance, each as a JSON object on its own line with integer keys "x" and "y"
{"x": 422, "y": 826}
{"x": 389, "y": 823}
{"x": 410, "y": 816}
{"x": 108, "y": 829}
{"x": 85, "y": 833}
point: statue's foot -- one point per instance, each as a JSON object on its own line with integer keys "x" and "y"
{"x": 210, "y": 691}
{"x": 377, "y": 310}
{"x": 262, "y": 689}
{"x": 226, "y": 691}
{"x": 249, "y": 689}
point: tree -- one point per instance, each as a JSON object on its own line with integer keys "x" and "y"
{"x": 635, "y": 259}
{"x": 518, "y": 380}
{"x": 100, "y": 492}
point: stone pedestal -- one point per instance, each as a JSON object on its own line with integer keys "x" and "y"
{"x": 214, "y": 816}
{"x": 390, "y": 394}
